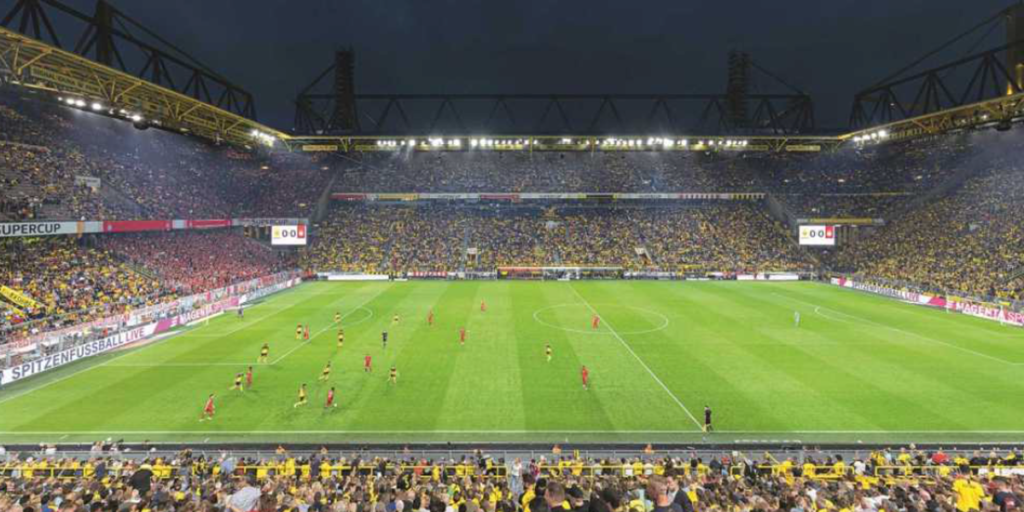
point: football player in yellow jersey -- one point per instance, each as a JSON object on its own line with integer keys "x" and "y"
{"x": 341, "y": 338}
{"x": 337, "y": 317}
{"x": 237, "y": 386}
{"x": 298, "y": 333}
{"x": 547, "y": 351}
{"x": 264, "y": 353}
{"x": 393, "y": 377}
{"x": 326, "y": 373}
{"x": 302, "y": 396}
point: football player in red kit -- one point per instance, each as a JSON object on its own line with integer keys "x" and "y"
{"x": 208, "y": 409}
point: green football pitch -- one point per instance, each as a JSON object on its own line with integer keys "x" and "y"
{"x": 857, "y": 368}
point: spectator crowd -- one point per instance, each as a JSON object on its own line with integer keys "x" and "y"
{"x": 948, "y": 205}
{"x": 49, "y": 153}
{"x": 883, "y": 480}
{"x": 734, "y": 236}
{"x": 73, "y": 280}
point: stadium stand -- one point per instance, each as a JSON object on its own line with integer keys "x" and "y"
{"x": 47, "y": 150}
{"x": 906, "y": 480}
{"x": 197, "y": 261}
{"x": 69, "y": 283}
{"x": 698, "y": 238}
{"x": 864, "y": 182}
{"x": 969, "y": 242}
{"x": 74, "y": 281}
{"x": 946, "y": 203}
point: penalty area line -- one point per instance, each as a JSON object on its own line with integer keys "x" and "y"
{"x": 866, "y": 321}
{"x": 330, "y": 326}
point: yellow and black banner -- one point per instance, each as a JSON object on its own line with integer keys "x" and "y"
{"x": 18, "y": 298}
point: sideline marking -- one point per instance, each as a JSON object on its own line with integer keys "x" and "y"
{"x": 897, "y": 329}
{"x": 443, "y": 432}
{"x": 641, "y": 361}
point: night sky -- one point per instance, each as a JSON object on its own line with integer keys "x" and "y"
{"x": 829, "y": 49}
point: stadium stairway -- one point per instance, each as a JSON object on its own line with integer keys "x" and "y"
{"x": 946, "y": 187}
{"x": 113, "y": 195}
{"x": 324, "y": 202}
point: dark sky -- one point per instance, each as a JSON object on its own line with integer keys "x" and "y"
{"x": 829, "y": 48}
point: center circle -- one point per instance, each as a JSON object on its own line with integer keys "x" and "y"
{"x": 585, "y": 313}
{"x": 362, "y": 319}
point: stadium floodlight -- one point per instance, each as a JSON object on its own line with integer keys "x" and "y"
{"x": 883, "y": 134}
{"x": 97, "y": 106}
{"x": 874, "y": 136}
{"x": 473, "y": 142}
{"x": 79, "y": 103}
{"x": 566, "y": 141}
{"x": 137, "y": 118}
{"x": 412, "y": 142}
{"x": 667, "y": 143}
{"x": 684, "y": 142}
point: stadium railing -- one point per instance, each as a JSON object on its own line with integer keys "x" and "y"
{"x": 296, "y": 468}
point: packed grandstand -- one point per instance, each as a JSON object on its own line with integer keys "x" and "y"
{"x": 910, "y": 480}
{"x": 155, "y": 229}
{"x": 925, "y": 193}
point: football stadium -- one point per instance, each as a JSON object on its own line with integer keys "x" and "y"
{"x": 398, "y": 289}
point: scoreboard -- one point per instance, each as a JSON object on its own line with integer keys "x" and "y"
{"x": 288, "y": 235}
{"x": 818, "y": 235}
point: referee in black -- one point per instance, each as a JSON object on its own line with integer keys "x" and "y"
{"x": 707, "y": 419}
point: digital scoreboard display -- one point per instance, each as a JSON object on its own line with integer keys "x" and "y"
{"x": 818, "y": 235}
{"x": 288, "y": 235}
